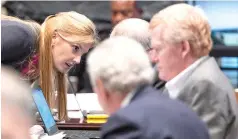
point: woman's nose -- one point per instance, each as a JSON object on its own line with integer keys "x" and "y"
{"x": 77, "y": 59}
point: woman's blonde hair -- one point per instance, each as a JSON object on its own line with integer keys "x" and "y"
{"x": 31, "y": 71}
{"x": 71, "y": 23}
{"x": 184, "y": 22}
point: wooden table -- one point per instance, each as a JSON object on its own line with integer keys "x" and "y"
{"x": 78, "y": 129}
{"x": 75, "y": 124}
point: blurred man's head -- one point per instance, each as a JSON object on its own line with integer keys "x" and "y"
{"x": 16, "y": 103}
{"x": 136, "y": 29}
{"x": 180, "y": 35}
{"x": 123, "y": 9}
{"x": 125, "y": 66}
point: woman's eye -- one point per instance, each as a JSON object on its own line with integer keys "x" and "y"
{"x": 76, "y": 48}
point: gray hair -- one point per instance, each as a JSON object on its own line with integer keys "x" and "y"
{"x": 183, "y": 22}
{"x": 15, "y": 93}
{"x": 134, "y": 28}
{"x": 121, "y": 63}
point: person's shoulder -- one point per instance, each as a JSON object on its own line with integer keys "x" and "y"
{"x": 208, "y": 72}
{"x": 17, "y": 28}
{"x": 207, "y": 69}
{"x": 152, "y": 104}
{"x": 160, "y": 114}
{"x": 14, "y": 24}
{"x": 120, "y": 126}
{"x": 210, "y": 78}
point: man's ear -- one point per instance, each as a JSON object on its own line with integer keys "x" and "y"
{"x": 185, "y": 48}
{"x": 101, "y": 89}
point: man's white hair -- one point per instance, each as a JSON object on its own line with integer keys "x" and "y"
{"x": 134, "y": 28}
{"x": 15, "y": 93}
{"x": 121, "y": 63}
{"x": 183, "y": 22}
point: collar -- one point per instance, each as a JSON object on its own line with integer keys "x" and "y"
{"x": 175, "y": 85}
{"x": 128, "y": 98}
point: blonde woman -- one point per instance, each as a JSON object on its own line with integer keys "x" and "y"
{"x": 64, "y": 38}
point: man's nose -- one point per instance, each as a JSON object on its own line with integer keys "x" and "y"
{"x": 119, "y": 17}
{"x": 153, "y": 56}
{"x": 156, "y": 59}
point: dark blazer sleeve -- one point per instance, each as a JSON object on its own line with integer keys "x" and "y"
{"x": 118, "y": 127}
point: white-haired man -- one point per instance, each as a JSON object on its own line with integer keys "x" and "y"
{"x": 17, "y": 117}
{"x": 181, "y": 39}
{"x": 138, "y": 29}
{"x": 136, "y": 110}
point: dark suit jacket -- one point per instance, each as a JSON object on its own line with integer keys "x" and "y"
{"x": 151, "y": 115}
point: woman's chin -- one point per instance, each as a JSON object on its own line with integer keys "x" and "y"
{"x": 62, "y": 69}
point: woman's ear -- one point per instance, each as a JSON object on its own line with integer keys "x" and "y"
{"x": 54, "y": 34}
{"x": 53, "y": 41}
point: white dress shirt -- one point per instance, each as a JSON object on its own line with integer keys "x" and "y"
{"x": 127, "y": 99}
{"x": 175, "y": 85}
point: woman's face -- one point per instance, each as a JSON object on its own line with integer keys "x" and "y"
{"x": 66, "y": 54}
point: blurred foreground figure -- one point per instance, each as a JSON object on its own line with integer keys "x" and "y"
{"x": 137, "y": 111}
{"x": 16, "y": 106}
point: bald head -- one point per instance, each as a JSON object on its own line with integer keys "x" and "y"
{"x": 123, "y": 9}
{"x": 134, "y": 28}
